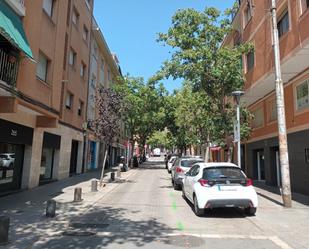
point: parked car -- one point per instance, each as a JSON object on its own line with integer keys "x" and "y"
{"x": 157, "y": 152}
{"x": 170, "y": 163}
{"x": 214, "y": 185}
{"x": 180, "y": 167}
{"x": 7, "y": 160}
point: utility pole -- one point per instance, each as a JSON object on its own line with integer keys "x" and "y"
{"x": 283, "y": 146}
{"x": 237, "y": 95}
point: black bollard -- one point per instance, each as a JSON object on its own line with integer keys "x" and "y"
{"x": 94, "y": 186}
{"x": 51, "y": 208}
{"x": 77, "y": 194}
{"x": 4, "y": 229}
{"x": 113, "y": 176}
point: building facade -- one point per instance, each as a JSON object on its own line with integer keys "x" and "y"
{"x": 252, "y": 23}
{"x": 44, "y": 58}
{"x": 104, "y": 70}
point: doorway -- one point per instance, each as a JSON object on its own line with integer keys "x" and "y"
{"x": 73, "y": 161}
{"x": 260, "y": 165}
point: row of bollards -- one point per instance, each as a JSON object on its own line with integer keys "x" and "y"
{"x": 51, "y": 207}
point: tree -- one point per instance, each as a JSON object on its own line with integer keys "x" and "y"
{"x": 143, "y": 107}
{"x": 213, "y": 70}
{"x": 107, "y": 123}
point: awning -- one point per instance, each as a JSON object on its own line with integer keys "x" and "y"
{"x": 11, "y": 28}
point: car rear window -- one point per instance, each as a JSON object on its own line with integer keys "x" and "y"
{"x": 222, "y": 173}
{"x": 189, "y": 163}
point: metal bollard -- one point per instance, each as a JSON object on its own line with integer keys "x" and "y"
{"x": 77, "y": 194}
{"x": 113, "y": 176}
{"x": 4, "y": 229}
{"x": 94, "y": 186}
{"x": 51, "y": 208}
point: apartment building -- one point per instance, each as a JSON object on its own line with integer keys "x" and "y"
{"x": 104, "y": 70}
{"x": 252, "y": 23}
{"x": 44, "y": 58}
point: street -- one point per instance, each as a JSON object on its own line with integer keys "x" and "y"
{"x": 144, "y": 211}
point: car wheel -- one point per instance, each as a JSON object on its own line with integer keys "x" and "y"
{"x": 198, "y": 211}
{"x": 176, "y": 186}
{"x": 250, "y": 211}
{"x": 183, "y": 193}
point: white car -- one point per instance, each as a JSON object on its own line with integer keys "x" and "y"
{"x": 213, "y": 185}
{"x": 170, "y": 163}
{"x": 7, "y": 160}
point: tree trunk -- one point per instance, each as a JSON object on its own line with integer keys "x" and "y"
{"x": 104, "y": 161}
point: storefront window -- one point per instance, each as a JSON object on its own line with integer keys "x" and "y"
{"x": 47, "y": 164}
{"x": 8, "y": 167}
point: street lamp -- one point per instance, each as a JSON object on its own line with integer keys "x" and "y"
{"x": 237, "y": 95}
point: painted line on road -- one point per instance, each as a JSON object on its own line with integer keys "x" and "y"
{"x": 276, "y": 240}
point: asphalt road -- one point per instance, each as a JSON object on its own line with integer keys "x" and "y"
{"x": 146, "y": 212}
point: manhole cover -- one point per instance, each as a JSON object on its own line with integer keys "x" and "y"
{"x": 186, "y": 241}
{"x": 88, "y": 225}
{"x": 78, "y": 233}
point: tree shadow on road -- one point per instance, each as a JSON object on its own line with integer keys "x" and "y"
{"x": 108, "y": 226}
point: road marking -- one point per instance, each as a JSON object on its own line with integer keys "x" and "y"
{"x": 276, "y": 240}
{"x": 180, "y": 226}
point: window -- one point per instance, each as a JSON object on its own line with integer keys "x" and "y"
{"x": 69, "y": 101}
{"x": 42, "y": 67}
{"x": 109, "y": 75}
{"x": 102, "y": 71}
{"x": 272, "y": 111}
{"x": 88, "y": 4}
{"x": 302, "y": 93}
{"x": 283, "y": 24}
{"x": 75, "y": 17}
{"x": 258, "y": 119}
{"x": 65, "y": 51}
{"x": 304, "y": 5}
{"x": 93, "y": 81}
{"x": 250, "y": 61}
{"x": 247, "y": 14}
{"x": 72, "y": 57}
{"x": 80, "y": 108}
{"x": 85, "y": 33}
{"x": 48, "y": 7}
{"x": 82, "y": 70}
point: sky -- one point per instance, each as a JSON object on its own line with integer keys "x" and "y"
{"x": 130, "y": 28}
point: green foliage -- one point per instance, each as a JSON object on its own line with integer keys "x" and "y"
{"x": 212, "y": 71}
{"x": 143, "y": 107}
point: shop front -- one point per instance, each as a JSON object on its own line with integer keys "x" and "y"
{"x": 13, "y": 138}
{"x": 50, "y": 150}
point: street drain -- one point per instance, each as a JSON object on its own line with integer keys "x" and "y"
{"x": 186, "y": 241}
{"x": 77, "y": 233}
{"x": 88, "y": 225}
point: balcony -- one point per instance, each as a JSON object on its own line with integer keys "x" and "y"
{"x": 9, "y": 64}
{"x": 18, "y": 6}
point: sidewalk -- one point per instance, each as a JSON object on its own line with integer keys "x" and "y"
{"x": 26, "y": 209}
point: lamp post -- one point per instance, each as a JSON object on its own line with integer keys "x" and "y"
{"x": 237, "y": 95}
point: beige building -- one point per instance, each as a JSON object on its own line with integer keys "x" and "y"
{"x": 43, "y": 90}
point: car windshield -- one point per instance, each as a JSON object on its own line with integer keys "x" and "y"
{"x": 3, "y": 156}
{"x": 222, "y": 172}
{"x": 189, "y": 163}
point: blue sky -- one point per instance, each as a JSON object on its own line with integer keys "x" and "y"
{"x": 130, "y": 28}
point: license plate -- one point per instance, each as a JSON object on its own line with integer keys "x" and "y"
{"x": 226, "y": 188}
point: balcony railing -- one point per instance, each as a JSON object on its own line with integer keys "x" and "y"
{"x": 9, "y": 65}
{"x": 18, "y": 6}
